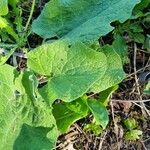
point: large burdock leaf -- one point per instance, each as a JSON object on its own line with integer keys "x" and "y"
{"x": 41, "y": 132}
{"x": 81, "y": 20}
{"x": 72, "y": 69}
{"x": 3, "y": 7}
{"x": 18, "y": 108}
{"x": 9, "y": 125}
{"x": 114, "y": 73}
{"x": 33, "y": 138}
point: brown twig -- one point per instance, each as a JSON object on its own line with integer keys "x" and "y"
{"x": 136, "y": 81}
{"x": 132, "y": 101}
{"x": 102, "y": 140}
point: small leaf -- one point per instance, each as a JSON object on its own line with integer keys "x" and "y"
{"x": 99, "y": 111}
{"x": 147, "y": 89}
{"x": 137, "y": 11}
{"x": 104, "y": 95}
{"x": 3, "y": 23}
{"x": 133, "y": 135}
{"x": 3, "y": 59}
{"x": 139, "y": 37}
{"x": 68, "y": 113}
{"x": 147, "y": 43}
{"x": 130, "y": 123}
{"x": 96, "y": 129}
{"x": 3, "y": 7}
{"x": 121, "y": 48}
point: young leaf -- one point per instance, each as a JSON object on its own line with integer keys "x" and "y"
{"x": 96, "y": 129}
{"x": 133, "y": 135}
{"x": 147, "y": 89}
{"x": 72, "y": 69}
{"x": 68, "y": 19}
{"x": 68, "y": 113}
{"x": 104, "y": 95}
{"x": 130, "y": 123}
{"x": 3, "y": 59}
{"x": 99, "y": 111}
{"x": 121, "y": 48}
{"x": 147, "y": 43}
{"x": 137, "y": 11}
{"x": 114, "y": 73}
{"x": 3, "y": 7}
{"x": 139, "y": 37}
{"x": 3, "y": 23}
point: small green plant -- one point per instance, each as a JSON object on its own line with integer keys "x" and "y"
{"x": 132, "y": 133}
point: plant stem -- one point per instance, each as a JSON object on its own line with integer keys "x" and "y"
{"x": 3, "y": 45}
{"x": 30, "y": 16}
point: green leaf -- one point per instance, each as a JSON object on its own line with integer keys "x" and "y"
{"x": 13, "y": 3}
{"x": 68, "y": 113}
{"x": 9, "y": 122}
{"x": 147, "y": 89}
{"x": 147, "y": 43}
{"x": 130, "y": 123}
{"x": 3, "y": 59}
{"x": 3, "y": 7}
{"x": 137, "y": 11}
{"x": 104, "y": 95}
{"x": 99, "y": 111}
{"x": 139, "y": 37}
{"x": 3, "y": 22}
{"x": 133, "y": 135}
{"x": 72, "y": 69}
{"x": 114, "y": 73}
{"x": 121, "y": 48}
{"x": 7, "y": 89}
{"x": 34, "y": 138}
{"x": 19, "y": 108}
{"x": 68, "y": 19}
{"x": 96, "y": 129}
{"x": 42, "y": 117}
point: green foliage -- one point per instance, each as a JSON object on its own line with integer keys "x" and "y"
{"x": 99, "y": 112}
{"x": 96, "y": 129}
{"x": 138, "y": 10}
{"x": 132, "y": 133}
{"x": 31, "y": 116}
{"x": 23, "y": 108}
{"x": 105, "y": 95}
{"x": 3, "y": 7}
{"x": 147, "y": 89}
{"x": 120, "y": 46}
{"x": 147, "y": 43}
{"x": 67, "y": 19}
{"x": 68, "y": 113}
{"x": 114, "y": 73}
{"x": 71, "y": 69}
{"x": 130, "y": 123}
{"x": 35, "y": 138}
